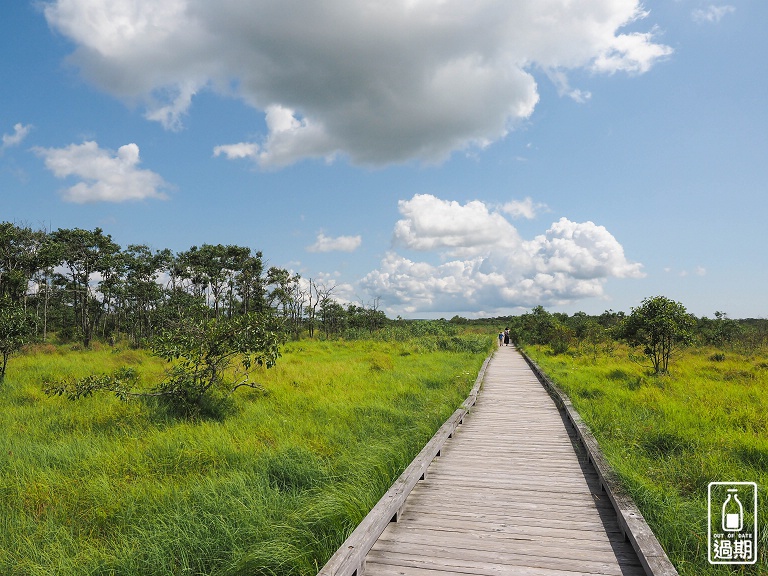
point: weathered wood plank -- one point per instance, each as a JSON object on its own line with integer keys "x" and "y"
{"x": 574, "y": 523}
{"x": 574, "y": 517}
{"x": 498, "y": 525}
{"x": 529, "y": 543}
{"x": 379, "y": 569}
{"x": 472, "y": 564}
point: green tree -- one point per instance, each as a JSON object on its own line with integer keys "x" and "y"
{"x": 250, "y": 284}
{"x": 86, "y": 255}
{"x": 214, "y": 270}
{"x": 210, "y": 359}
{"x": 537, "y": 326}
{"x": 19, "y": 248}
{"x": 720, "y": 332}
{"x": 660, "y": 326}
{"x": 47, "y": 257}
{"x": 333, "y": 317}
{"x": 202, "y": 352}
{"x": 560, "y": 337}
{"x": 15, "y": 331}
{"x": 280, "y": 284}
{"x": 141, "y": 295}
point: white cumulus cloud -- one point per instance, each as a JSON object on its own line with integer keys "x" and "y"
{"x": 105, "y": 176}
{"x": 325, "y": 243}
{"x": 376, "y": 82}
{"x": 433, "y": 224}
{"x": 20, "y": 131}
{"x": 486, "y": 265}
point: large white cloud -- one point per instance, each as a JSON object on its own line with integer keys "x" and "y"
{"x": 105, "y": 176}
{"x": 486, "y": 265}
{"x": 375, "y": 81}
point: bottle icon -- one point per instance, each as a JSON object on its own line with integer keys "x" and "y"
{"x": 733, "y": 512}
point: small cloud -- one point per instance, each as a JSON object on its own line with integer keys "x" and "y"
{"x": 339, "y": 244}
{"x": 560, "y": 80}
{"x": 106, "y": 176}
{"x": 698, "y": 271}
{"x": 170, "y": 115}
{"x": 281, "y": 147}
{"x": 712, "y": 13}
{"x": 523, "y": 208}
{"x": 20, "y": 131}
{"x": 237, "y": 151}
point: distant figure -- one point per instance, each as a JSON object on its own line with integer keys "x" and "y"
{"x": 501, "y": 338}
{"x": 506, "y": 336}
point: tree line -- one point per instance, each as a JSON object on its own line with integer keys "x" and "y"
{"x": 79, "y": 285}
{"x": 655, "y": 329}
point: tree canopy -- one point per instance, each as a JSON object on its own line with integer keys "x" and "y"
{"x": 659, "y": 326}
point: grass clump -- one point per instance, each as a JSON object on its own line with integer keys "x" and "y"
{"x": 669, "y": 436}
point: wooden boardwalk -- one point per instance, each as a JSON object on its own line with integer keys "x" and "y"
{"x": 511, "y": 494}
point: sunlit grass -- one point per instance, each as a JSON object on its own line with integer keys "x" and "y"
{"x": 99, "y": 486}
{"x": 668, "y": 437}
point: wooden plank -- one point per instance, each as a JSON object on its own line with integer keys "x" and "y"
{"x": 528, "y": 543}
{"x": 536, "y": 515}
{"x": 500, "y": 564}
{"x": 469, "y": 518}
{"x": 379, "y": 569}
{"x": 500, "y": 525}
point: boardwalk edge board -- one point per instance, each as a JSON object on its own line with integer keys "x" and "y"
{"x": 349, "y": 559}
{"x": 632, "y": 523}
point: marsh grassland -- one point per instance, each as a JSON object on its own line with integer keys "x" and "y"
{"x": 271, "y": 485}
{"x": 668, "y": 437}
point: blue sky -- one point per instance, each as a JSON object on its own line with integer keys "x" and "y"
{"x": 442, "y": 156}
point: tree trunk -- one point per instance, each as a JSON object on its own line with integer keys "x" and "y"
{"x": 5, "y": 363}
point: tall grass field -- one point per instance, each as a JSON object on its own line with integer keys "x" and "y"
{"x": 668, "y": 437}
{"x": 271, "y": 486}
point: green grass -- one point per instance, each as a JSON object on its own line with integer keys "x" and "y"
{"x": 99, "y": 486}
{"x": 668, "y": 437}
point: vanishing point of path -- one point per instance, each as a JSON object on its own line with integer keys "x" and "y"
{"x": 510, "y": 495}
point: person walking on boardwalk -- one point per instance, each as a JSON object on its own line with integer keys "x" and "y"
{"x": 501, "y": 338}
{"x": 506, "y": 336}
